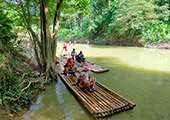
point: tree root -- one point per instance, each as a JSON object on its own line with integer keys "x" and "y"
{"x": 27, "y": 86}
{"x": 15, "y": 99}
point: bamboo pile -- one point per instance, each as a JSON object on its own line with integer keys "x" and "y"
{"x": 94, "y": 68}
{"x": 100, "y": 103}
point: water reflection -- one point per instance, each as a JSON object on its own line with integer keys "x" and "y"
{"x": 60, "y": 91}
{"x": 33, "y": 108}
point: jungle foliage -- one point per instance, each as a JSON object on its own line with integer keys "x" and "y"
{"x": 127, "y": 22}
{"x": 18, "y": 82}
{"x": 14, "y": 75}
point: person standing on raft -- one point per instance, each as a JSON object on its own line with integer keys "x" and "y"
{"x": 85, "y": 80}
{"x": 64, "y": 49}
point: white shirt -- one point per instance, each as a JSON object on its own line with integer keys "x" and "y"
{"x": 85, "y": 74}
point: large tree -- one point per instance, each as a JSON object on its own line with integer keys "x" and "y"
{"x": 48, "y": 40}
{"x": 37, "y": 15}
{"x": 36, "y": 18}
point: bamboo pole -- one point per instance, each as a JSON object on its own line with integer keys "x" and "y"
{"x": 106, "y": 99}
{"x": 87, "y": 106}
{"x": 100, "y": 102}
{"x": 94, "y": 104}
{"x": 81, "y": 92}
{"x": 94, "y": 97}
{"x": 122, "y": 105}
{"x": 99, "y": 114}
{"x": 115, "y": 100}
{"x": 118, "y": 107}
{"x": 105, "y": 108}
{"x": 115, "y": 94}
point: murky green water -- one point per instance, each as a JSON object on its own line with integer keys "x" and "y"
{"x": 141, "y": 75}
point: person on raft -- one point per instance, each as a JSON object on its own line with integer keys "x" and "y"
{"x": 70, "y": 67}
{"x": 85, "y": 80}
{"x": 65, "y": 49}
{"x": 80, "y": 57}
{"x": 74, "y": 54}
{"x": 57, "y": 62}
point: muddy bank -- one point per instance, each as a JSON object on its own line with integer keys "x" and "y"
{"x": 159, "y": 46}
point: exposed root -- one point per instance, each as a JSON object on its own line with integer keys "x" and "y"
{"x": 27, "y": 86}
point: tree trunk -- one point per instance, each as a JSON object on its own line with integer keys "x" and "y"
{"x": 56, "y": 26}
{"x": 47, "y": 42}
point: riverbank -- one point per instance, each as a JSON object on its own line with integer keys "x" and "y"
{"x": 122, "y": 42}
{"x": 159, "y": 46}
{"x": 20, "y": 82}
{"x": 12, "y": 106}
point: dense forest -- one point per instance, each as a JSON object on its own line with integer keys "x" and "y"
{"x": 108, "y": 22}
{"x": 127, "y": 22}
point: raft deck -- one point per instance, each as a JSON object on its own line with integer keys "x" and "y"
{"x": 94, "y": 68}
{"x": 100, "y": 103}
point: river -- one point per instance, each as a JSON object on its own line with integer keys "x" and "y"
{"x": 140, "y": 75}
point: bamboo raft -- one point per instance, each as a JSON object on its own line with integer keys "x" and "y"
{"x": 100, "y": 103}
{"x": 94, "y": 68}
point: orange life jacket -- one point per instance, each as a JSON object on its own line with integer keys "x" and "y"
{"x": 81, "y": 86}
{"x": 57, "y": 59}
{"x": 70, "y": 65}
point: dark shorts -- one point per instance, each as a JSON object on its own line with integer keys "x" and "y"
{"x": 86, "y": 88}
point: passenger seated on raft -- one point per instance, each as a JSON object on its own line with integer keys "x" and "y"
{"x": 80, "y": 57}
{"x": 74, "y": 54}
{"x": 57, "y": 61}
{"x": 70, "y": 67}
{"x": 85, "y": 80}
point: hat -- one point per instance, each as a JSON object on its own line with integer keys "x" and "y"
{"x": 86, "y": 69}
